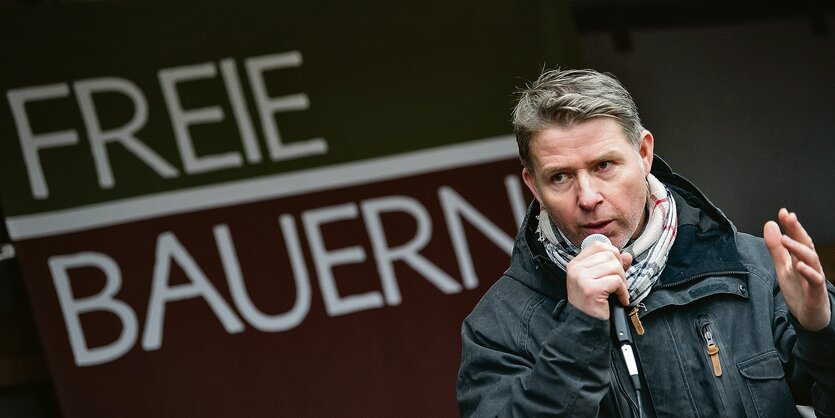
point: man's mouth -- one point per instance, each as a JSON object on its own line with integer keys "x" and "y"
{"x": 596, "y": 227}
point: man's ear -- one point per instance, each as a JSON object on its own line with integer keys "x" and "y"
{"x": 530, "y": 181}
{"x": 645, "y": 150}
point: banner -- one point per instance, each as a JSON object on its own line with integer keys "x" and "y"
{"x": 264, "y": 209}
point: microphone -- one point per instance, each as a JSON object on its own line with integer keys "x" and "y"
{"x": 591, "y": 239}
{"x": 618, "y": 313}
{"x": 619, "y": 322}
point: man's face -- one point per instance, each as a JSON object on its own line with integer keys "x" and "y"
{"x": 591, "y": 180}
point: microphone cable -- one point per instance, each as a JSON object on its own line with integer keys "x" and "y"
{"x": 622, "y": 334}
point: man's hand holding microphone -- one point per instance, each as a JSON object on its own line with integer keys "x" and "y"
{"x": 594, "y": 274}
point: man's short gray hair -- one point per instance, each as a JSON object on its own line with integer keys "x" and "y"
{"x": 566, "y": 98}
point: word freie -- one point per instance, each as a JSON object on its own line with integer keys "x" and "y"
{"x": 33, "y": 142}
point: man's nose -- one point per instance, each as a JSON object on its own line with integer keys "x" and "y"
{"x": 588, "y": 195}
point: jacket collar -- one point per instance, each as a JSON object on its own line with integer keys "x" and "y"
{"x": 706, "y": 239}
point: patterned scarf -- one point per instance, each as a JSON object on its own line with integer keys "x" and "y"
{"x": 649, "y": 251}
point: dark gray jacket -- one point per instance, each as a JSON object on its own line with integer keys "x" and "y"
{"x": 527, "y": 352}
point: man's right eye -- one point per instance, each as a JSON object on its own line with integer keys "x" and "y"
{"x": 559, "y": 177}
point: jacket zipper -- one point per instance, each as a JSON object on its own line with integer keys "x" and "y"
{"x": 634, "y": 314}
{"x": 712, "y": 349}
{"x": 700, "y": 276}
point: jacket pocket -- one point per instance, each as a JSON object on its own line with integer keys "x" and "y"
{"x": 769, "y": 395}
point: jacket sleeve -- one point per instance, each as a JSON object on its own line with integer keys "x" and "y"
{"x": 569, "y": 376}
{"x": 811, "y": 356}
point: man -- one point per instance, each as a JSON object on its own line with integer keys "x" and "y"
{"x": 724, "y": 324}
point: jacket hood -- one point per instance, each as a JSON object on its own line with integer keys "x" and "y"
{"x": 705, "y": 242}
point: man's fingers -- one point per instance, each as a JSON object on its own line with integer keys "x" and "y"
{"x": 812, "y": 275}
{"x": 610, "y": 285}
{"x": 793, "y": 227}
{"x": 801, "y": 252}
{"x": 773, "y": 241}
{"x": 626, "y": 260}
{"x": 622, "y": 293}
{"x": 609, "y": 267}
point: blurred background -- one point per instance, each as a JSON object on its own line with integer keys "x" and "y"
{"x": 740, "y": 99}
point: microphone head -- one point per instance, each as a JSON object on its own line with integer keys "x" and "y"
{"x": 594, "y": 238}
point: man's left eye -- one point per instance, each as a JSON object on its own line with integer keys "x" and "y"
{"x": 604, "y": 165}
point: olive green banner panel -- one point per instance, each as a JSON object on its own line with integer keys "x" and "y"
{"x": 104, "y": 101}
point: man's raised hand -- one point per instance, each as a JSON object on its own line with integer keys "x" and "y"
{"x": 799, "y": 271}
